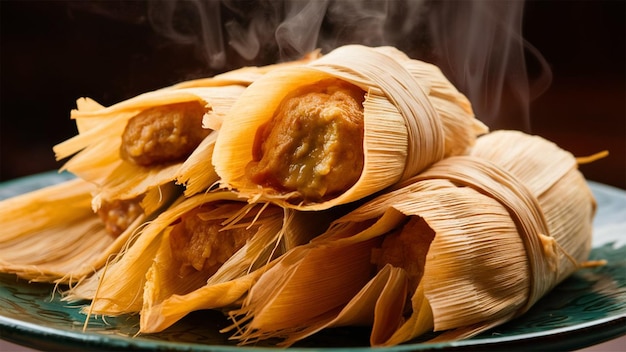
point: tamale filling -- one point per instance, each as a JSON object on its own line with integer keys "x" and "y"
{"x": 163, "y": 134}
{"x": 201, "y": 242}
{"x": 119, "y": 214}
{"x": 313, "y": 145}
{"x": 406, "y": 248}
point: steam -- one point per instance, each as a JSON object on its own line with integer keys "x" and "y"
{"x": 477, "y": 44}
{"x": 191, "y": 22}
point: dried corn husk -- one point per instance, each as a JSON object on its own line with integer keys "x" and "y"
{"x": 146, "y": 277}
{"x": 118, "y": 287}
{"x": 96, "y": 147}
{"x": 164, "y": 282}
{"x": 413, "y": 117}
{"x": 168, "y": 297}
{"x": 498, "y": 229}
{"x": 165, "y": 298}
{"x": 242, "y": 76}
{"x": 52, "y": 234}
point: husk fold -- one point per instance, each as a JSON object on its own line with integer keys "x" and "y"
{"x": 145, "y": 278}
{"x": 63, "y": 241}
{"x": 164, "y": 300}
{"x": 413, "y": 117}
{"x": 486, "y": 225}
{"x": 95, "y": 150}
{"x": 498, "y": 234}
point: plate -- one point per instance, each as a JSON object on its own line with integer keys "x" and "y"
{"x": 586, "y": 309}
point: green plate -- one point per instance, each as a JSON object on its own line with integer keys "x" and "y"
{"x": 584, "y": 310}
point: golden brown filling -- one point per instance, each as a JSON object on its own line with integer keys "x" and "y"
{"x": 201, "y": 242}
{"x": 163, "y": 134}
{"x": 117, "y": 215}
{"x": 406, "y": 248}
{"x": 313, "y": 144}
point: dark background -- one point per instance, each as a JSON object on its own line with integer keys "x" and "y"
{"x": 53, "y": 52}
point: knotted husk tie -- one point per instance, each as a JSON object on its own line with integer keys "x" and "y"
{"x": 498, "y": 229}
{"x": 495, "y": 182}
{"x": 426, "y": 143}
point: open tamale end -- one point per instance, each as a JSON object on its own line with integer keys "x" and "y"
{"x": 118, "y": 287}
{"x": 141, "y": 143}
{"x": 341, "y": 128}
{"x": 268, "y": 231}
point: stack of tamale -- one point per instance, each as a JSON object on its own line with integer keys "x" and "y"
{"x": 355, "y": 188}
{"x": 65, "y": 233}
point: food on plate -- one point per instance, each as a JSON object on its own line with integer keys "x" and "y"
{"x": 142, "y": 143}
{"x": 127, "y": 157}
{"x": 355, "y": 188}
{"x": 200, "y": 253}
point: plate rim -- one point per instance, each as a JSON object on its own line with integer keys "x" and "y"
{"x": 21, "y": 332}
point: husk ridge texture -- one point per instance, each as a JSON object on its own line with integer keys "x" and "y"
{"x": 498, "y": 247}
{"x": 487, "y": 223}
{"x": 404, "y": 131}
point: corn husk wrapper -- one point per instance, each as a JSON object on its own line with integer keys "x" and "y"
{"x": 100, "y": 129}
{"x": 243, "y": 76}
{"x": 118, "y": 287}
{"x": 500, "y": 228}
{"x": 168, "y": 297}
{"x": 413, "y": 117}
{"x": 52, "y": 234}
{"x": 145, "y": 277}
{"x": 98, "y": 143}
{"x": 197, "y": 173}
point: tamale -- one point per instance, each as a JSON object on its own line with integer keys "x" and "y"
{"x": 168, "y": 296}
{"x": 468, "y": 244}
{"x": 340, "y": 128}
{"x": 53, "y": 234}
{"x": 98, "y": 151}
{"x": 200, "y": 253}
{"x": 141, "y": 143}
